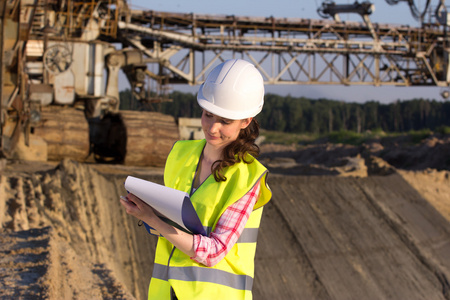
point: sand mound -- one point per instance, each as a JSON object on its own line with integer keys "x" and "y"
{"x": 37, "y": 264}
{"x": 92, "y": 237}
{"x": 378, "y": 233}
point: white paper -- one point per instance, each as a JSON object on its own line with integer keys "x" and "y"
{"x": 173, "y": 204}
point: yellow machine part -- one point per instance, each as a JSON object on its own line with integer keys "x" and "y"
{"x": 66, "y": 132}
{"x": 150, "y": 137}
{"x": 133, "y": 138}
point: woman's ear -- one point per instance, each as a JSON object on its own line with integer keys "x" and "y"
{"x": 246, "y": 122}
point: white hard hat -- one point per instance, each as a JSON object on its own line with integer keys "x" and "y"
{"x": 233, "y": 90}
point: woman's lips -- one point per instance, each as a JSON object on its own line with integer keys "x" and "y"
{"x": 213, "y": 137}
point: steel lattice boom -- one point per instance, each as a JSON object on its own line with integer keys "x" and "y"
{"x": 290, "y": 51}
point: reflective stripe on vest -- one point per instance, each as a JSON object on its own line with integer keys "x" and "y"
{"x": 203, "y": 274}
{"x": 248, "y": 235}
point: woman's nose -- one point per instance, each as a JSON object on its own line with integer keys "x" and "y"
{"x": 214, "y": 127}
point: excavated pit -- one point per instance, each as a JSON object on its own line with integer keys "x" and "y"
{"x": 65, "y": 236}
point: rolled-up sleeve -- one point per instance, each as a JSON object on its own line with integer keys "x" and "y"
{"x": 210, "y": 250}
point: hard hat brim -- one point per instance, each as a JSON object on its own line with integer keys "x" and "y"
{"x": 224, "y": 113}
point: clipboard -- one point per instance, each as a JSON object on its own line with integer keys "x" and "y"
{"x": 173, "y": 206}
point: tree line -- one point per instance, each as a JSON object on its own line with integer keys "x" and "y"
{"x": 303, "y": 115}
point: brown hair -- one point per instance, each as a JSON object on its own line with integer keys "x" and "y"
{"x": 237, "y": 150}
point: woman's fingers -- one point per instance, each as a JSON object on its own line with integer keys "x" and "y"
{"x": 128, "y": 205}
{"x": 136, "y": 207}
{"x": 135, "y": 200}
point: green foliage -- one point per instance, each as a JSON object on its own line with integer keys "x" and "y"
{"x": 335, "y": 120}
{"x": 128, "y": 101}
{"x": 285, "y": 138}
{"x": 346, "y": 137}
{"x": 323, "y": 116}
{"x": 182, "y": 105}
{"x": 444, "y": 130}
{"x": 419, "y": 135}
{"x": 341, "y": 137}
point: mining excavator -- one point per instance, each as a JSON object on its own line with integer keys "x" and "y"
{"x": 60, "y": 86}
{"x": 62, "y": 61}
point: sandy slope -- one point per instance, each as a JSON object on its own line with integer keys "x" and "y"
{"x": 37, "y": 264}
{"x": 95, "y": 244}
{"x": 432, "y": 185}
{"x": 65, "y": 236}
{"x": 351, "y": 238}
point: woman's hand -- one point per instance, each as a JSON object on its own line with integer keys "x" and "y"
{"x": 138, "y": 208}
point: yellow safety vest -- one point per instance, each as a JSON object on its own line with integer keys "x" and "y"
{"x": 232, "y": 277}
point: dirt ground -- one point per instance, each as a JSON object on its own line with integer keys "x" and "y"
{"x": 370, "y": 222}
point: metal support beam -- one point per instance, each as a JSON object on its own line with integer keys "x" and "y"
{"x": 301, "y": 51}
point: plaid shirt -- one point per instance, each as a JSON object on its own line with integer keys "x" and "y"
{"x": 210, "y": 250}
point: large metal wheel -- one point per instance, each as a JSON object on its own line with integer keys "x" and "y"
{"x": 57, "y": 59}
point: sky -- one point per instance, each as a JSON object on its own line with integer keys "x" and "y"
{"x": 384, "y": 13}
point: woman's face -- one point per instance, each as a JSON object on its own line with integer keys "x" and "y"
{"x": 219, "y": 131}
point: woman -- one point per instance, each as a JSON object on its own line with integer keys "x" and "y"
{"x": 227, "y": 188}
